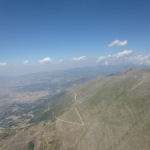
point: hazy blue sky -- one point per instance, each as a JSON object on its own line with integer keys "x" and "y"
{"x": 73, "y": 32}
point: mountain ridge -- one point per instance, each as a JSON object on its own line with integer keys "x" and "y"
{"x": 109, "y": 113}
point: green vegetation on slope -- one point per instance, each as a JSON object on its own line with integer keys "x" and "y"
{"x": 115, "y": 111}
{"x": 56, "y": 104}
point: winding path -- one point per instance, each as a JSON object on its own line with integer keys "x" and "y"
{"x": 82, "y": 123}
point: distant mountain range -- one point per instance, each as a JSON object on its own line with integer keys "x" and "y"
{"x": 64, "y": 77}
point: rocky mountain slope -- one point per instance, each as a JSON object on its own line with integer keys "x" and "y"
{"x": 108, "y": 113}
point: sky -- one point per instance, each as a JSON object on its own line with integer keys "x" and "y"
{"x": 38, "y": 35}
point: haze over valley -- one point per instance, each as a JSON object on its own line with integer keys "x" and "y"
{"x": 74, "y": 75}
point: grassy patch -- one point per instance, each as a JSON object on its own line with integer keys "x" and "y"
{"x": 31, "y": 145}
{"x": 57, "y": 104}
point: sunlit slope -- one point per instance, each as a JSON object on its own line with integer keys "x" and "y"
{"x": 107, "y": 113}
{"x": 115, "y": 111}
